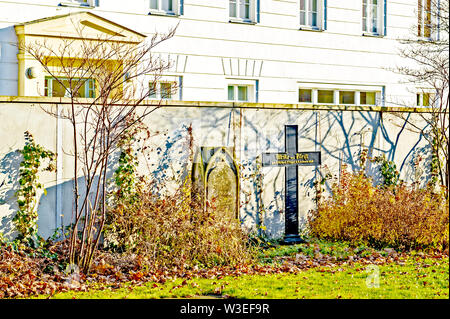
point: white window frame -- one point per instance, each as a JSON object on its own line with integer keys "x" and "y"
{"x": 421, "y": 23}
{"x": 378, "y": 100}
{"x": 90, "y": 86}
{"x": 239, "y": 6}
{"x": 79, "y": 3}
{"x": 173, "y": 80}
{"x": 249, "y": 84}
{"x": 431, "y": 96}
{"x": 367, "y": 21}
{"x": 336, "y": 88}
{"x": 312, "y": 94}
{"x": 308, "y": 15}
{"x": 355, "y": 94}
{"x": 316, "y": 95}
{"x": 160, "y": 5}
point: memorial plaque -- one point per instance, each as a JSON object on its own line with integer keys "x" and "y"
{"x": 286, "y": 159}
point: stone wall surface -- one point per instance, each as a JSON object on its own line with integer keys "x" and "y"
{"x": 245, "y": 130}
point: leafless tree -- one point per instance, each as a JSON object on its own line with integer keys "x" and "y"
{"x": 428, "y": 49}
{"x": 118, "y": 74}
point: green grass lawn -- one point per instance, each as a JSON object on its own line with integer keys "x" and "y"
{"x": 424, "y": 279}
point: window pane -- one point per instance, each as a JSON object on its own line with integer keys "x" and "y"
{"x": 59, "y": 90}
{"x": 65, "y": 89}
{"x": 302, "y": 5}
{"x": 82, "y": 89}
{"x": 154, "y": 4}
{"x": 427, "y": 28}
{"x": 247, "y": 9}
{"x": 305, "y": 95}
{"x": 244, "y": 9}
{"x": 374, "y": 18}
{"x": 241, "y": 8}
{"x": 302, "y": 17}
{"x": 46, "y": 90}
{"x": 367, "y": 98}
{"x": 242, "y": 93}
{"x": 314, "y": 19}
{"x": 426, "y": 99}
{"x": 419, "y": 17}
{"x": 233, "y": 8}
{"x": 418, "y": 99}
{"x": 314, "y": 5}
{"x": 303, "y": 12}
{"x": 152, "y": 90}
{"x": 325, "y": 96}
{"x": 90, "y": 88}
{"x": 167, "y": 5}
{"x": 166, "y": 91}
{"x": 346, "y": 97}
{"x": 230, "y": 93}
{"x": 364, "y": 15}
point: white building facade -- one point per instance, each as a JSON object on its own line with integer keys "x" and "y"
{"x": 323, "y": 65}
{"x": 266, "y": 51}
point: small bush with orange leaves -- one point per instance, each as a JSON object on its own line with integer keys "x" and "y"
{"x": 398, "y": 216}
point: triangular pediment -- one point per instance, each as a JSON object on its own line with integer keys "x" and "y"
{"x": 69, "y": 26}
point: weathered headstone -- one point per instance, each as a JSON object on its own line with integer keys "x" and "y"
{"x": 290, "y": 159}
{"x": 215, "y": 176}
{"x": 222, "y": 188}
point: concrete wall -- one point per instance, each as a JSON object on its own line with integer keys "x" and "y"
{"x": 339, "y": 133}
{"x": 213, "y": 52}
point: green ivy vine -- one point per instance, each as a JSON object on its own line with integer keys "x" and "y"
{"x": 125, "y": 176}
{"x": 435, "y": 166}
{"x": 33, "y": 157}
{"x": 388, "y": 170}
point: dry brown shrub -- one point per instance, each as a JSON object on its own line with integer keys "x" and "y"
{"x": 170, "y": 228}
{"x": 400, "y": 216}
{"x": 174, "y": 230}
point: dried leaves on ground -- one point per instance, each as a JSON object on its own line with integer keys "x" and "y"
{"x": 25, "y": 272}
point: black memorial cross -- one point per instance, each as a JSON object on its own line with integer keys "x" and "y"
{"x": 290, "y": 159}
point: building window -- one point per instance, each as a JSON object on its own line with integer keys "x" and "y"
{"x": 424, "y": 19}
{"x": 425, "y": 99}
{"x": 367, "y": 98}
{"x": 346, "y": 97}
{"x": 166, "y": 90}
{"x": 162, "y": 90}
{"x": 345, "y": 94}
{"x": 372, "y": 16}
{"x": 80, "y": 3}
{"x": 305, "y": 95}
{"x": 164, "y": 6}
{"x": 242, "y": 10}
{"x": 86, "y": 2}
{"x": 325, "y": 96}
{"x": 241, "y": 90}
{"x": 61, "y": 87}
{"x": 239, "y": 93}
{"x": 310, "y": 13}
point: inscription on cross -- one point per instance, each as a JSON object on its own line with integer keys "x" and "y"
{"x": 290, "y": 159}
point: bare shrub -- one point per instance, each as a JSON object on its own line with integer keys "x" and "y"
{"x": 170, "y": 229}
{"x": 118, "y": 72}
